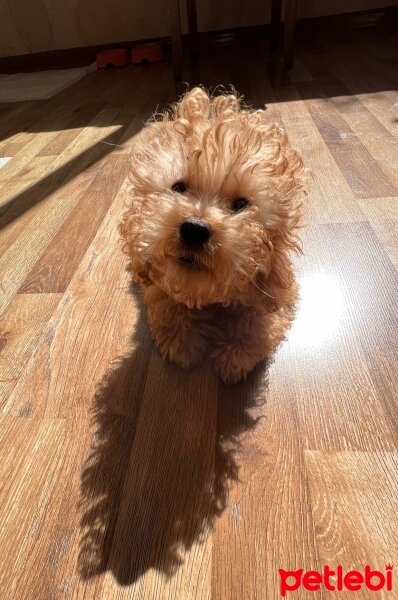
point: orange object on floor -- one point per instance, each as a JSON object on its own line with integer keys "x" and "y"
{"x": 117, "y": 57}
{"x": 143, "y": 53}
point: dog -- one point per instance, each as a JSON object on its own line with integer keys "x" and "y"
{"x": 216, "y": 202}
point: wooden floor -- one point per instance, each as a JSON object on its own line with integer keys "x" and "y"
{"x": 124, "y": 477}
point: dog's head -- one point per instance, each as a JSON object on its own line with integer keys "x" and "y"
{"x": 216, "y": 201}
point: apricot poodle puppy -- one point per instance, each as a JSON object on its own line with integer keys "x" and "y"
{"x": 216, "y": 200}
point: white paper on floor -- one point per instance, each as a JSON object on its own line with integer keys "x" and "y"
{"x": 40, "y": 85}
{"x": 4, "y": 160}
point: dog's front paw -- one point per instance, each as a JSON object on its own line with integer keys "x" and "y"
{"x": 185, "y": 351}
{"x": 233, "y": 363}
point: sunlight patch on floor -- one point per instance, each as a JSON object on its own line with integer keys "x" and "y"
{"x": 320, "y": 310}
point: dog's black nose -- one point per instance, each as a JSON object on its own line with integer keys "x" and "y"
{"x": 194, "y": 232}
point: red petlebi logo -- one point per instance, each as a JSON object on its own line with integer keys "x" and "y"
{"x": 336, "y": 580}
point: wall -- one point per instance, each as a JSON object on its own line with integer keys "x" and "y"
{"x": 28, "y": 26}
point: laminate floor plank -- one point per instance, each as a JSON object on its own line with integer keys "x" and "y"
{"x": 381, "y": 144}
{"x": 58, "y": 263}
{"x": 372, "y": 282}
{"x": 31, "y": 230}
{"x": 70, "y": 130}
{"x": 15, "y": 115}
{"x": 347, "y": 302}
{"x": 353, "y": 493}
{"x": 62, "y": 341}
{"x": 18, "y": 183}
{"x": 170, "y": 496}
{"x": 363, "y": 89}
{"x": 86, "y": 407}
{"x": 260, "y": 454}
{"x": 382, "y": 214}
{"x": 332, "y": 199}
{"x": 124, "y": 477}
{"x": 362, "y": 172}
{"x": 10, "y": 148}
{"x": 28, "y": 502}
{"x": 21, "y": 326}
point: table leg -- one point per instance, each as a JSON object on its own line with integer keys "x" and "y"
{"x": 176, "y": 37}
{"x": 276, "y": 23}
{"x": 289, "y": 31}
{"x": 193, "y": 27}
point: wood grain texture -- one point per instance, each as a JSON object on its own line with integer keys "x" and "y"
{"x": 123, "y": 477}
{"x": 346, "y": 305}
{"x": 20, "y": 328}
{"x": 375, "y": 137}
{"x": 353, "y": 493}
{"x": 372, "y": 283}
{"x": 28, "y": 501}
{"x": 16, "y": 184}
{"x": 171, "y": 492}
{"x": 54, "y": 270}
{"x": 382, "y": 214}
{"x": 11, "y": 148}
{"x": 103, "y": 256}
{"x": 267, "y": 489}
{"x": 65, "y": 137}
{"x": 332, "y": 199}
{"x": 363, "y": 173}
{"x": 24, "y": 241}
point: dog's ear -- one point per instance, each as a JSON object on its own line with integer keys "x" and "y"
{"x": 284, "y": 216}
{"x": 225, "y": 106}
{"x": 128, "y": 230}
{"x": 195, "y": 105}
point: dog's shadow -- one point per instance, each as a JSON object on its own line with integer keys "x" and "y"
{"x": 162, "y": 460}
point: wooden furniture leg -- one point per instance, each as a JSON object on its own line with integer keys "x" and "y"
{"x": 289, "y": 31}
{"x": 176, "y": 38}
{"x": 193, "y": 28}
{"x": 276, "y": 23}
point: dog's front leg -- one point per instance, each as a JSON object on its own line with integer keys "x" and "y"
{"x": 249, "y": 336}
{"x": 181, "y": 334}
{"x": 239, "y": 346}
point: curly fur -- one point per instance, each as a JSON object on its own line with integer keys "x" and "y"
{"x": 237, "y": 297}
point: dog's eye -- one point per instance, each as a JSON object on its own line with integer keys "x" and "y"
{"x": 179, "y": 187}
{"x": 239, "y": 204}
